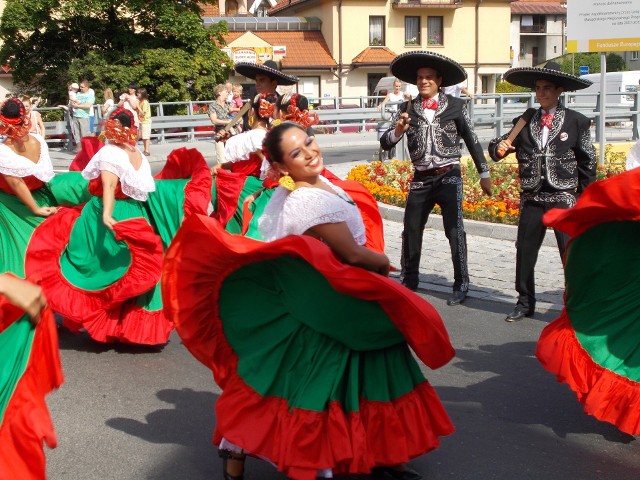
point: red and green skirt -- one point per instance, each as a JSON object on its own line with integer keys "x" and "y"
{"x": 108, "y": 282}
{"x": 312, "y": 355}
{"x": 593, "y": 345}
{"x": 17, "y": 223}
{"x": 29, "y": 369}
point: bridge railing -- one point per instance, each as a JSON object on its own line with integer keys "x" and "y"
{"x": 492, "y": 113}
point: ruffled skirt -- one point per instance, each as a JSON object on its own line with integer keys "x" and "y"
{"x": 311, "y": 354}
{"x": 593, "y": 345}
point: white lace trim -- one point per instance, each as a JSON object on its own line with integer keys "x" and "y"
{"x": 16, "y": 165}
{"x": 293, "y": 213}
{"x": 135, "y": 184}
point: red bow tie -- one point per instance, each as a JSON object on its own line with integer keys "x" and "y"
{"x": 429, "y": 103}
{"x": 546, "y": 119}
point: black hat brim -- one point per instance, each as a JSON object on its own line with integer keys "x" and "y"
{"x": 250, "y": 70}
{"x": 406, "y": 66}
{"x": 527, "y": 76}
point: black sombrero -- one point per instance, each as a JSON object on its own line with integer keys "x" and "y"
{"x": 527, "y": 76}
{"x": 268, "y": 68}
{"x": 406, "y": 65}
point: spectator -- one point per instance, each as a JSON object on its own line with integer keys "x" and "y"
{"x": 457, "y": 89}
{"x": 72, "y": 91}
{"x": 229, "y": 88}
{"x": 129, "y": 101}
{"x": 219, "y": 116}
{"x": 37, "y": 126}
{"x": 144, "y": 113}
{"x": 85, "y": 99}
{"x": 107, "y": 107}
{"x": 396, "y": 96}
{"x": 237, "y": 102}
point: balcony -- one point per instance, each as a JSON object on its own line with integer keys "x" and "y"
{"x": 533, "y": 29}
{"x": 426, "y": 3}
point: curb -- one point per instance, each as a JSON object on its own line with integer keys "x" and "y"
{"x": 496, "y": 231}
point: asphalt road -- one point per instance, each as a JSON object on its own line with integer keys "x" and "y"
{"x": 129, "y": 412}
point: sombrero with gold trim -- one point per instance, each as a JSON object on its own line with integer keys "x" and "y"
{"x": 268, "y": 68}
{"x": 527, "y": 76}
{"x": 406, "y": 65}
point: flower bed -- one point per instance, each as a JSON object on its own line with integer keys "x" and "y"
{"x": 389, "y": 181}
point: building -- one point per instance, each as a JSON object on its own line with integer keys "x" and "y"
{"x": 538, "y": 31}
{"x": 356, "y": 40}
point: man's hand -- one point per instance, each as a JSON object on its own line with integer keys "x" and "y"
{"x": 485, "y": 184}
{"x": 402, "y": 125}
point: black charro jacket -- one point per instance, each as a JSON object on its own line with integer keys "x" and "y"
{"x": 566, "y": 163}
{"x": 436, "y": 144}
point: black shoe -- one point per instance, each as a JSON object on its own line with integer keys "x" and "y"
{"x": 457, "y": 298}
{"x": 410, "y": 283}
{"x": 380, "y": 473}
{"x": 518, "y": 314}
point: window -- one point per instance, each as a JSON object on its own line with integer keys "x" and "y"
{"x": 533, "y": 24}
{"x": 376, "y": 30}
{"x": 232, "y": 7}
{"x": 412, "y": 30}
{"x": 634, "y": 55}
{"x": 434, "y": 31}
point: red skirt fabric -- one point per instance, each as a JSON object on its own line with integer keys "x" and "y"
{"x": 300, "y": 441}
{"x": 607, "y": 395}
{"x": 27, "y": 425}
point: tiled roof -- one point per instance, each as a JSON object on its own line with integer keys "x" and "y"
{"x": 283, "y": 5}
{"x": 305, "y": 50}
{"x": 532, "y": 7}
{"x": 209, "y": 10}
{"x": 374, "y": 56}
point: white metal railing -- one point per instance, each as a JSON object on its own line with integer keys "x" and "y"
{"x": 493, "y": 112}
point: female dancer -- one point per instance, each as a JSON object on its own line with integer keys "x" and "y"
{"x": 593, "y": 345}
{"x": 30, "y": 370}
{"x": 315, "y": 370}
{"x": 101, "y": 265}
{"x": 25, "y": 167}
{"x": 248, "y": 167}
{"x": 291, "y": 107}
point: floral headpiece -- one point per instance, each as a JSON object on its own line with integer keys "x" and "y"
{"x": 115, "y": 132}
{"x": 266, "y": 108}
{"x": 14, "y": 126}
{"x": 301, "y": 117}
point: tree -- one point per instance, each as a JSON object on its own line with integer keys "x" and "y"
{"x": 159, "y": 44}
{"x": 570, "y": 64}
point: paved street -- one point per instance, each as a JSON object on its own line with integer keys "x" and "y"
{"x": 129, "y": 412}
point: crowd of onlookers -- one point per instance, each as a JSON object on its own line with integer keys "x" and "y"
{"x": 81, "y": 116}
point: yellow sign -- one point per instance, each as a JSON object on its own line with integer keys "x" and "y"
{"x": 251, "y": 54}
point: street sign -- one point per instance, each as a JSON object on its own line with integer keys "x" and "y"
{"x": 584, "y": 69}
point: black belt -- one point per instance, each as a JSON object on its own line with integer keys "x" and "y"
{"x": 432, "y": 172}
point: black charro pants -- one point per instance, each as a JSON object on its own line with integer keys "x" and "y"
{"x": 424, "y": 193}
{"x": 531, "y": 232}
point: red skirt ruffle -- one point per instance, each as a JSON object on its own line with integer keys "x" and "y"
{"x": 607, "y": 396}
{"x": 27, "y": 424}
